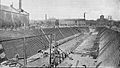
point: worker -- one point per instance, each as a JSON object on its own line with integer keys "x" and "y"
{"x": 40, "y": 51}
{"x": 56, "y": 58}
{"x": 62, "y": 56}
{"x": 17, "y": 57}
{"x": 95, "y": 62}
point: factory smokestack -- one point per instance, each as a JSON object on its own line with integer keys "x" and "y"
{"x": 84, "y": 15}
{"x": 20, "y": 4}
{"x": 45, "y": 16}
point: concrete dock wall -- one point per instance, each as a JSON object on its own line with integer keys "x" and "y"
{"x": 109, "y": 48}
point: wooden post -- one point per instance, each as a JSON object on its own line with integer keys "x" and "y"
{"x": 50, "y": 48}
{"x": 77, "y": 63}
{"x": 0, "y": 6}
{"x": 24, "y": 49}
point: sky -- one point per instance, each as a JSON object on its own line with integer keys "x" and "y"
{"x": 62, "y": 9}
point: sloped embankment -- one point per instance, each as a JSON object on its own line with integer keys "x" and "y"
{"x": 109, "y": 48}
{"x": 33, "y": 44}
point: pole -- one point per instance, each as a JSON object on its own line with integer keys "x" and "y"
{"x": 55, "y": 40}
{"x": 28, "y": 20}
{"x": 50, "y": 48}
{"x": 77, "y": 63}
{"x": 0, "y": 9}
{"x": 0, "y": 5}
{"x": 24, "y": 46}
{"x": 24, "y": 49}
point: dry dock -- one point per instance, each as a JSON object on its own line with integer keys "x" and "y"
{"x": 78, "y": 59}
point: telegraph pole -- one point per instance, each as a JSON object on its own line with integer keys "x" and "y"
{"x": 0, "y": 5}
{"x": 24, "y": 45}
{"x": 24, "y": 49}
{"x": 50, "y": 47}
{"x": 0, "y": 8}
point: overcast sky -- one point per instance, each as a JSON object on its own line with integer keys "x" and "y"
{"x": 69, "y": 8}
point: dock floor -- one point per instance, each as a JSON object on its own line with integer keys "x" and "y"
{"x": 79, "y": 60}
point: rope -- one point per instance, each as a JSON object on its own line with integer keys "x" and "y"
{"x": 61, "y": 33}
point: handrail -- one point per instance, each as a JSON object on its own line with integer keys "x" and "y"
{"x": 61, "y": 32}
{"x": 4, "y": 40}
{"x": 45, "y": 35}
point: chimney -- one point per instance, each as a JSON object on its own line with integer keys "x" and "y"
{"x": 84, "y": 15}
{"x": 20, "y": 4}
{"x": 45, "y": 16}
